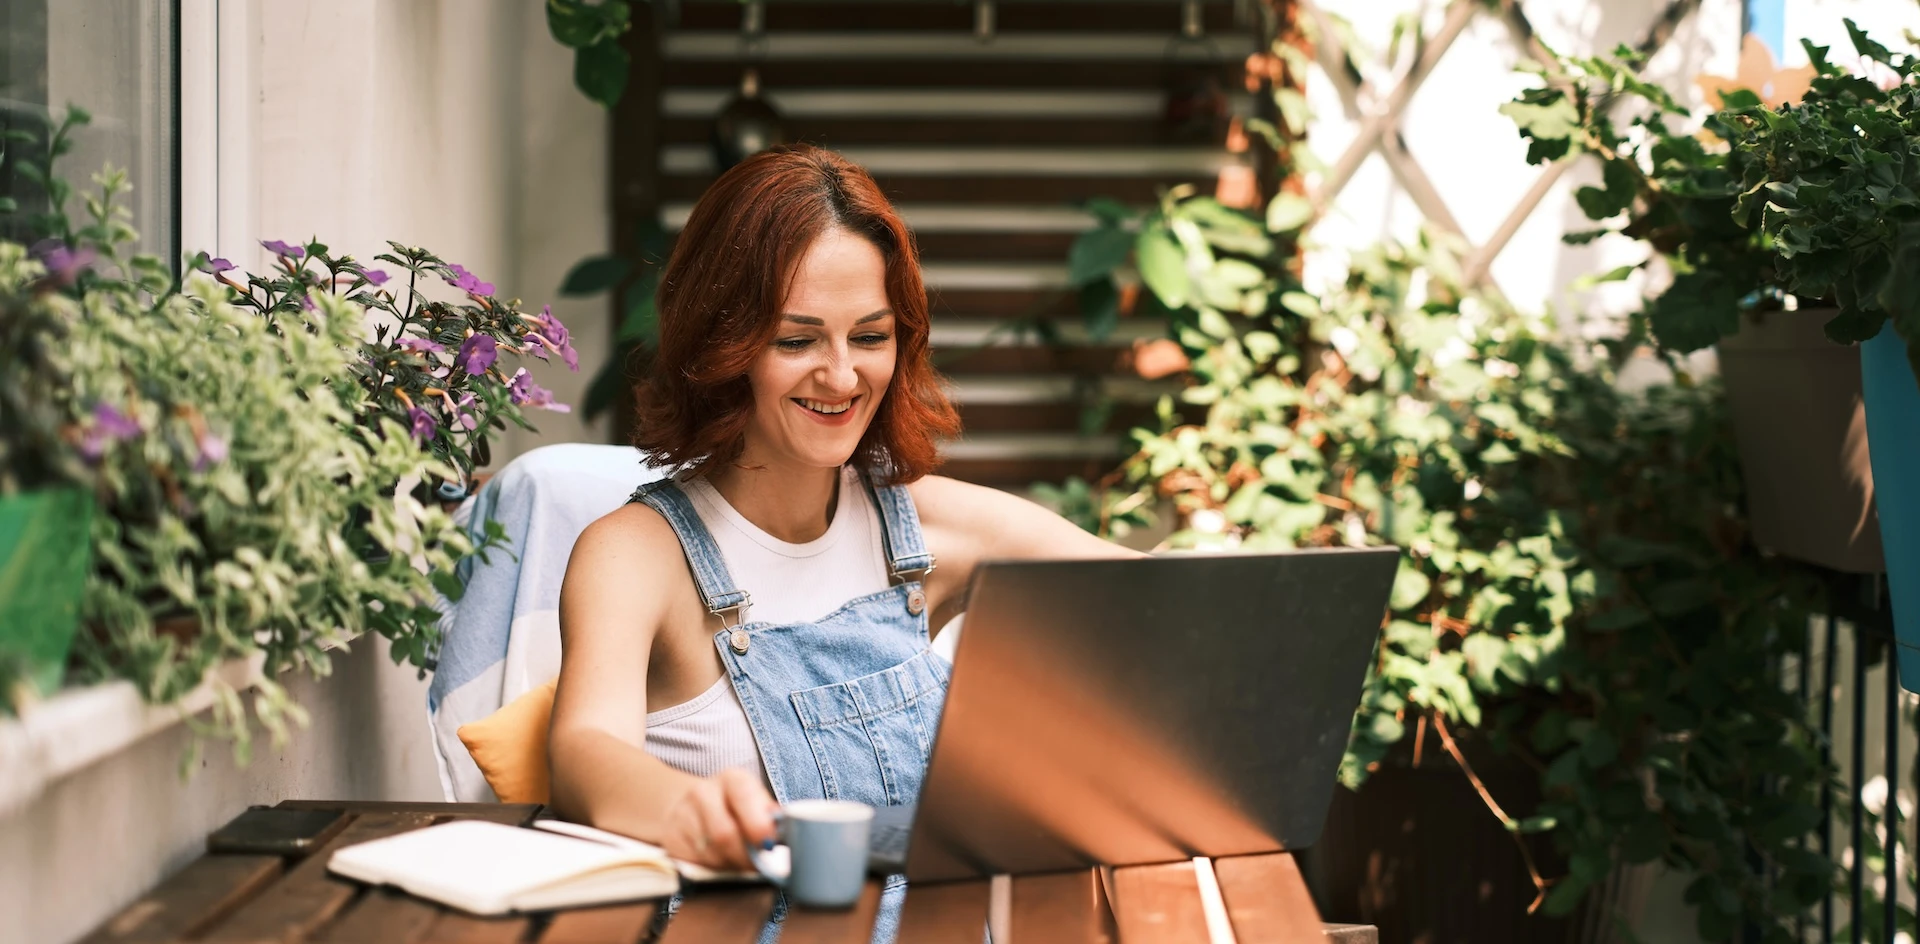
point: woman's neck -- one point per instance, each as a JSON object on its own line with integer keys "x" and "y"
{"x": 792, "y": 504}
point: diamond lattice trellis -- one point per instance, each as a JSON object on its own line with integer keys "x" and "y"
{"x": 1381, "y": 115}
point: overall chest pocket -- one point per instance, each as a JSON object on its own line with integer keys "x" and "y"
{"x": 871, "y": 735}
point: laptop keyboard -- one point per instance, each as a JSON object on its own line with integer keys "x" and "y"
{"x": 887, "y": 838}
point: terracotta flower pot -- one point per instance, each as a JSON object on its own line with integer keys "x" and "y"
{"x": 1802, "y": 430}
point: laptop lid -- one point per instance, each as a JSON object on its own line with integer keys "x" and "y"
{"x": 1127, "y": 711}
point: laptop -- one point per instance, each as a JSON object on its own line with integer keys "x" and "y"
{"x": 1119, "y": 712}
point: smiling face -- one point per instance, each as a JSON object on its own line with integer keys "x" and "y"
{"x": 817, "y": 386}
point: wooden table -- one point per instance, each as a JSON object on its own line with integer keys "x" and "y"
{"x": 239, "y": 899}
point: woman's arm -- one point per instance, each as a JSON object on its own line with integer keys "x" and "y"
{"x": 612, "y": 605}
{"x": 967, "y": 524}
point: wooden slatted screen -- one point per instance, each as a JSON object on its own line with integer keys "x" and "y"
{"x": 988, "y": 146}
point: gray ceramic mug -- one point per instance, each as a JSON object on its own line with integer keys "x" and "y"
{"x": 826, "y": 850}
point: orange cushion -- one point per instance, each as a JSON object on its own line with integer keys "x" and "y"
{"x": 510, "y": 746}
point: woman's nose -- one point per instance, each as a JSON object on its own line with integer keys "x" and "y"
{"x": 836, "y": 374}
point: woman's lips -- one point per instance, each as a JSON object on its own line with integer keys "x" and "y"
{"x": 841, "y": 418}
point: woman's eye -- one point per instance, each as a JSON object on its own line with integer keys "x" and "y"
{"x": 871, "y": 339}
{"x": 792, "y": 344}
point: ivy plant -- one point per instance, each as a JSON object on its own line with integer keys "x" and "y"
{"x": 1833, "y": 183}
{"x": 1817, "y": 199}
{"x": 1577, "y": 593}
{"x": 1663, "y": 182}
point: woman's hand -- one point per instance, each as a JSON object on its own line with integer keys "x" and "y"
{"x": 716, "y": 819}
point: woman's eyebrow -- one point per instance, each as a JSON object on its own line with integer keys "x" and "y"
{"x": 819, "y": 322}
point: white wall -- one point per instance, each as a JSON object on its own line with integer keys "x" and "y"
{"x": 451, "y": 124}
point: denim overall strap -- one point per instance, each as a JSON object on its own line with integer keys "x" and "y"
{"x": 717, "y": 589}
{"x": 907, "y": 556}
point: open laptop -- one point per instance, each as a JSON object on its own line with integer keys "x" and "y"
{"x": 1128, "y": 711}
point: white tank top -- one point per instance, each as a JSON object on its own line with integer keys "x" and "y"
{"x": 787, "y": 583}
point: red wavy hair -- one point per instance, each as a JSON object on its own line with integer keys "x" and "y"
{"x": 719, "y": 303}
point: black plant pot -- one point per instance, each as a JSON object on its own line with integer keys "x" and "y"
{"x": 1416, "y": 853}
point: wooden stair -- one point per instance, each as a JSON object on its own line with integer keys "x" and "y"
{"x": 988, "y": 148}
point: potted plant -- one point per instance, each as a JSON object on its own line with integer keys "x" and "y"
{"x": 45, "y": 506}
{"x": 262, "y": 460}
{"x": 1581, "y": 625}
{"x": 1669, "y": 180}
{"x": 1833, "y": 186}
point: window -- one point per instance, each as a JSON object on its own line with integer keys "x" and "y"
{"x": 118, "y": 59}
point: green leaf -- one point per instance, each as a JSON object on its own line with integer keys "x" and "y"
{"x": 1865, "y": 46}
{"x": 1100, "y": 307}
{"x": 1110, "y": 212}
{"x": 594, "y": 274}
{"x": 1288, "y": 212}
{"x": 1096, "y": 253}
{"x": 600, "y": 72}
{"x": 640, "y": 323}
{"x": 448, "y": 585}
{"x": 576, "y": 24}
{"x": 1163, "y": 265}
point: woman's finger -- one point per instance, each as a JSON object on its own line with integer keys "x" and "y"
{"x": 724, "y": 846}
{"x": 751, "y": 804}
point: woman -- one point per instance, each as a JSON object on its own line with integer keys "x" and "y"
{"x": 756, "y": 626}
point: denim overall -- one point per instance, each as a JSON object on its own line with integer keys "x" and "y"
{"x": 841, "y": 708}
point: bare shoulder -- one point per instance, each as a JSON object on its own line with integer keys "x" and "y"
{"x": 631, "y": 531}
{"x": 616, "y": 568}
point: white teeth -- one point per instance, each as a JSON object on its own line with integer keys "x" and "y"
{"x": 818, "y": 407}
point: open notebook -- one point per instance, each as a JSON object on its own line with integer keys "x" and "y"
{"x": 491, "y": 868}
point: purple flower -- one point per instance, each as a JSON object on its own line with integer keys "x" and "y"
{"x": 523, "y": 391}
{"x": 279, "y": 248}
{"x": 375, "y": 277}
{"x": 423, "y": 425}
{"x": 420, "y": 346}
{"x": 63, "y": 264}
{"x": 549, "y": 333}
{"x": 478, "y": 353}
{"x": 458, "y": 415}
{"x": 109, "y": 426}
{"x": 216, "y": 265}
{"x": 213, "y": 450}
{"x": 115, "y": 423}
{"x": 466, "y": 281}
{"x": 306, "y": 302}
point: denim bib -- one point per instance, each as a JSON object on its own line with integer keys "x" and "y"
{"x": 844, "y": 707}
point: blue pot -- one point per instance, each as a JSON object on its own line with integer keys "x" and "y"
{"x": 1893, "y": 437}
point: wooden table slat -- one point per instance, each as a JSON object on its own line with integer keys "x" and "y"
{"x": 307, "y": 898}
{"x": 455, "y": 927}
{"x": 190, "y": 900}
{"x": 615, "y": 924}
{"x": 513, "y": 814}
{"x": 820, "y": 926}
{"x": 1061, "y": 908}
{"x": 1267, "y": 900}
{"x": 720, "y": 915}
{"x": 382, "y": 914}
{"x": 945, "y": 912}
{"x": 1153, "y": 903}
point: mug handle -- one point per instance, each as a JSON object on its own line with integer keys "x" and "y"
{"x": 776, "y": 869}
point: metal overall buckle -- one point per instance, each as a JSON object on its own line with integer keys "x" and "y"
{"x": 737, "y": 633}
